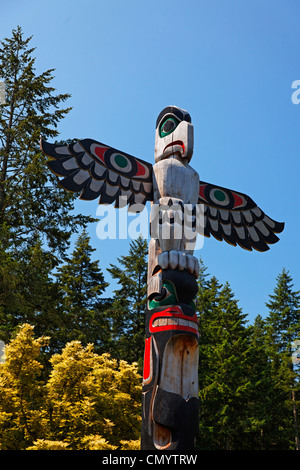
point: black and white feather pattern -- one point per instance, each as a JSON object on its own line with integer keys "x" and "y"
{"x": 234, "y": 217}
{"x": 94, "y": 170}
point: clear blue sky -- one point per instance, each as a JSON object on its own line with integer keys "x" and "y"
{"x": 231, "y": 64}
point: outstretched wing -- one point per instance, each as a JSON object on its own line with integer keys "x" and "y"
{"x": 235, "y": 218}
{"x": 96, "y": 170}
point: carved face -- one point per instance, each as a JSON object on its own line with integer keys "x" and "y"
{"x": 174, "y": 134}
{"x": 170, "y": 375}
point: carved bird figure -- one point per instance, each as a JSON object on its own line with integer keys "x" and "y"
{"x": 95, "y": 170}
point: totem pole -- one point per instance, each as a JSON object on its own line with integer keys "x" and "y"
{"x": 181, "y": 207}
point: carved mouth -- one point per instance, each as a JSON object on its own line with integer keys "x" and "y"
{"x": 173, "y": 319}
{"x": 176, "y": 142}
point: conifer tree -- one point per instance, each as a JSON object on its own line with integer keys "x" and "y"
{"x": 262, "y": 397}
{"x": 95, "y": 402}
{"x": 81, "y": 285}
{"x": 128, "y": 309}
{"x": 31, "y": 203}
{"x": 223, "y": 380}
{"x": 36, "y": 219}
{"x": 21, "y": 391}
{"x": 204, "y": 294}
{"x": 10, "y": 298}
{"x": 28, "y": 292}
{"x": 283, "y": 323}
{"x": 89, "y": 401}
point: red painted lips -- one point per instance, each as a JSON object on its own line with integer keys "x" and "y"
{"x": 176, "y": 142}
{"x": 173, "y": 319}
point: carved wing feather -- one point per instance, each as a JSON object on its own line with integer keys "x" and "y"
{"x": 96, "y": 170}
{"x": 234, "y": 217}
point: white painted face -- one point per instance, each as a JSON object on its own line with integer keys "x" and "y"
{"x": 174, "y": 134}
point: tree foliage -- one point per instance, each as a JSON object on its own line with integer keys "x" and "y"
{"x": 31, "y": 204}
{"x": 249, "y": 385}
{"x": 282, "y": 330}
{"x": 223, "y": 380}
{"x": 21, "y": 391}
{"x": 89, "y": 401}
{"x": 81, "y": 307}
{"x": 127, "y": 312}
{"x": 36, "y": 216}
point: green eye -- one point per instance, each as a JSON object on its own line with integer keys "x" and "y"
{"x": 168, "y": 126}
{"x": 169, "y": 297}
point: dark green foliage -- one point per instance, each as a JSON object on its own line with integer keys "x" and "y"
{"x": 81, "y": 284}
{"x": 222, "y": 367}
{"x": 128, "y": 309}
{"x": 283, "y": 328}
{"x": 249, "y": 385}
{"x": 32, "y": 205}
{"x": 36, "y": 219}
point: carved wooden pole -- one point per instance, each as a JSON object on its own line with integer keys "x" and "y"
{"x": 181, "y": 206}
{"x": 170, "y": 376}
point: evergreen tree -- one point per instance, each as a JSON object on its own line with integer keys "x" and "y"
{"x": 10, "y": 297}
{"x": 128, "y": 309}
{"x": 21, "y": 391}
{"x": 89, "y": 402}
{"x": 95, "y": 402}
{"x": 223, "y": 380}
{"x": 31, "y": 203}
{"x": 283, "y": 328}
{"x": 35, "y": 214}
{"x": 205, "y": 295}
{"x": 28, "y": 292}
{"x": 262, "y": 397}
{"x": 81, "y": 285}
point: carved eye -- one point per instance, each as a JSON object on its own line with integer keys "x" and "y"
{"x": 168, "y": 126}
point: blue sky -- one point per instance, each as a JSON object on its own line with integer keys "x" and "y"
{"x": 231, "y": 64}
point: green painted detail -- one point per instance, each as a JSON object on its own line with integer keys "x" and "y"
{"x": 193, "y": 304}
{"x": 121, "y": 161}
{"x": 219, "y": 195}
{"x": 165, "y": 133}
{"x": 169, "y": 299}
